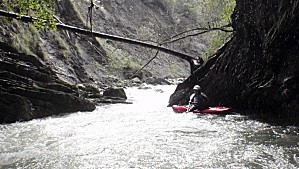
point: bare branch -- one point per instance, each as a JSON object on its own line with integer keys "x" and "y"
{"x": 104, "y": 35}
{"x": 201, "y": 31}
{"x": 157, "y": 52}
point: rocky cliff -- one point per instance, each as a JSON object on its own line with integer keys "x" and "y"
{"x": 257, "y": 69}
{"x": 30, "y": 89}
{"x": 150, "y": 21}
{"x": 42, "y": 68}
{"x": 79, "y": 59}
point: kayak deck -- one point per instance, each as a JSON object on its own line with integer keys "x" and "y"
{"x": 210, "y": 110}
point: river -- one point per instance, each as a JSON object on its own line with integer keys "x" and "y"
{"x": 147, "y": 134}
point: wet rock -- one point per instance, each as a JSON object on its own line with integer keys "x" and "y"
{"x": 112, "y": 95}
{"x": 110, "y": 100}
{"x": 157, "y": 81}
{"x": 144, "y": 86}
{"x": 115, "y": 93}
{"x": 88, "y": 90}
{"x": 29, "y": 89}
{"x": 176, "y": 81}
{"x": 159, "y": 90}
{"x": 14, "y": 107}
{"x": 136, "y": 80}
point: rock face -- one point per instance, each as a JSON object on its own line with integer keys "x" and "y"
{"x": 86, "y": 59}
{"x": 29, "y": 89}
{"x": 258, "y": 69}
{"x": 146, "y": 20}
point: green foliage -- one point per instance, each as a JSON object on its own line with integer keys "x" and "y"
{"x": 129, "y": 63}
{"x": 63, "y": 48}
{"x": 223, "y": 10}
{"x": 6, "y": 21}
{"x": 208, "y": 13}
{"x": 146, "y": 33}
{"x": 118, "y": 58}
{"x": 227, "y": 10}
{"x": 43, "y": 10}
{"x": 26, "y": 40}
{"x": 217, "y": 40}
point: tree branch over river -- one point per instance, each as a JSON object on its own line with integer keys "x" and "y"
{"x": 103, "y": 35}
{"x": 151, "y": 45}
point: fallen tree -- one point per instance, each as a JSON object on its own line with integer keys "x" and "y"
{"x": 63, "y": 26}
{"x": 152, "y": 45}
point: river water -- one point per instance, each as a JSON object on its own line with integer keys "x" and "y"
{"x": 147, "y": 134}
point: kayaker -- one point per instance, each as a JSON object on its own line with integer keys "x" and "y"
{"x": 198, "y": 100}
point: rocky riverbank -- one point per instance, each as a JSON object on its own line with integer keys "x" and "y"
{"x": 49, "y": 72}
{"x": 30, "y": 89}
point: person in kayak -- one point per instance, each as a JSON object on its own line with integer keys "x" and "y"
{"x": 198, "y": 100}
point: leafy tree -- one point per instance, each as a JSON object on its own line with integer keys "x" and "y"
{"x": 222, "y": 10}
{"x": 42, "y": 10}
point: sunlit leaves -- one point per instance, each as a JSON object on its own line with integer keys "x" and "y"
{"x": 43, "y": 10}
{"x": 228, "y": 10}
{"x": 223, "y": 10}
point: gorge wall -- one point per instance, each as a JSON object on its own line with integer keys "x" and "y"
{"x": 82, "y": 59}
{"x": 65, "y": 58}
{"x": 30, "y": 89}
{"x": 258, "y": 69}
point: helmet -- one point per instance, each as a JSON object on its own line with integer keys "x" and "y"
{"x": 197, "y": 87}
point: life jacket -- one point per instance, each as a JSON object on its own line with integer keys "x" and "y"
{"x": 198, "y": 98}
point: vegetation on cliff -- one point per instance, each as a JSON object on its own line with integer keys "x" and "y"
{"x": 43, "y": 11}
{"x": 180, "y": 13}
{"x": 258, "y": 68}
{"x": 258, "y": 63}
{"x": 76, "y": 59}
{"x": 30, "y": 89}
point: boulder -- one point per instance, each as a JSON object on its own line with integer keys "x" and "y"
{"x": 144, "y": 86}
{"x": 157, "y": 81}
{"x": 115, "y": 93}
{"x": 136, "y": 80}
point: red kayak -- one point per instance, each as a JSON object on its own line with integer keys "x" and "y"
{"x": 210, "y": 110}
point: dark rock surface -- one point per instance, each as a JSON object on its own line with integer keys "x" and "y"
{"x": 115, "y": 92}
{"x": 111, "y": 95}
{"x": 29, "y": 89}
{"x": 45, "y": 83}
{"x": 157, "y": 81}
{"x": 150, "y": 21}
{"x": 258, "y": 69}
